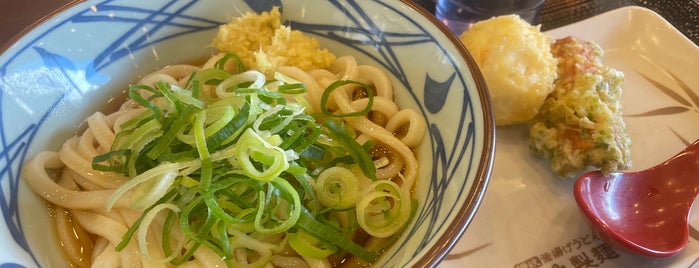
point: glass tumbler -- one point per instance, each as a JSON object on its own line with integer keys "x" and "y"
{"x": 459, "y": 15}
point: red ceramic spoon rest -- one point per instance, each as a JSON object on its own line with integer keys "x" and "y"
{"x": 643, "y": 212}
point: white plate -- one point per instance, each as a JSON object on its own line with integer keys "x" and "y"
{"x": 529, "y": 217}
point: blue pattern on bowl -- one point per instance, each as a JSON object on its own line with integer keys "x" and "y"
{"x": 60, "y": 75}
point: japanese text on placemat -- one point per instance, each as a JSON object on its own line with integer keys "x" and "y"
{"x": 581, "y": 252}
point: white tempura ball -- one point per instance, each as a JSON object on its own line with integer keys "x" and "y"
{"x": 516, "y": 61}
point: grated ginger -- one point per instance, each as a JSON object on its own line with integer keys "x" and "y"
{"x": 263, "y": 43}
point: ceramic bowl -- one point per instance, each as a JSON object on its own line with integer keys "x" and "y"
{"x": 81, "y": 59}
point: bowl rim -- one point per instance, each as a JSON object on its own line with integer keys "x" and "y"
{"x": 439, "y": 251}
{"x": 463, "y": 218}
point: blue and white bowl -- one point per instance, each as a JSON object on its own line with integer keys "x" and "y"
{"x": 78, "y": 61}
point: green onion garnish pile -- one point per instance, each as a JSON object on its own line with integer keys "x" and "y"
{"x": 229, "y": 169}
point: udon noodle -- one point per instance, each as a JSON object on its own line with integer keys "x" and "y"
{"x": 221, "y": 204}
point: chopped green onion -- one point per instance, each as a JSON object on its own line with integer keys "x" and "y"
{"x": 228, "y": 155}
{"x": 337, "y": 84}
{"x": 135, "y": 96}
{"x": 310, "y": 247}
{"x": 249, "y": 143}
{"x": 221, "y": 63}
{"x": 329, "y": 235}
{"x": 344, "y": 136}
{"x": 337, "y": 188}
{"x": 292, "y": 216}
{"x": 385, "y": 209}
{"x": 177, "y": 126}
{"x": 116, "y": 159}
{"x": 292, "y": 88}
{"x": 133, "y": 228}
